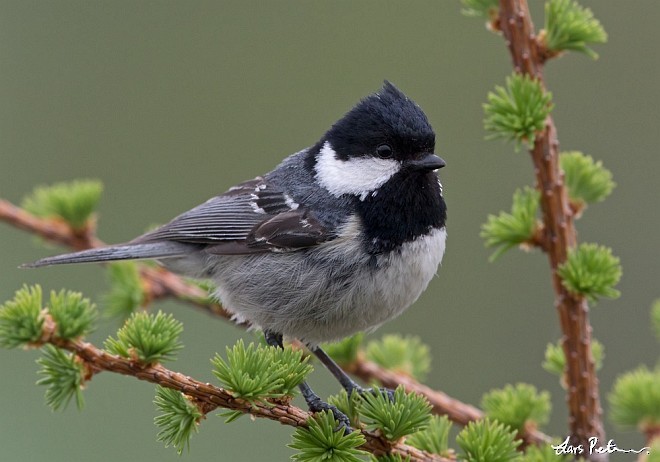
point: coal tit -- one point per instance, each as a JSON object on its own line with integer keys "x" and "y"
{"x": 338, "y": 239}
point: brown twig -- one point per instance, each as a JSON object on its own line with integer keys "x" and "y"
{"x": 208, "y": 397}
{"x": 583, "y": 399}
{"x": 161, "y": 283}
{"x": 53, "y": 230}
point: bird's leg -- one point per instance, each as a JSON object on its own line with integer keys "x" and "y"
{"x": 314, "y": 401}
{"x": 348, "y": 383}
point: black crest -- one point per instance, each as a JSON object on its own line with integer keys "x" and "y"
{"x": 387, "y": 116}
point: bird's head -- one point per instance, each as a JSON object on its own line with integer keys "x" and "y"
{"x": 384, "y": 134}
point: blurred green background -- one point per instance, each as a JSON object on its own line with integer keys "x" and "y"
{"x": 171, "y": 102}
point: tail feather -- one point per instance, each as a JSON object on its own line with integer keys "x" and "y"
{"x": 162, "y": 249}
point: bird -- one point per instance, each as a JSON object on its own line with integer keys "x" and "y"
{"x": 339, "y": 238}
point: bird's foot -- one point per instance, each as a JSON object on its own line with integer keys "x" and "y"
{"x": 316, "y": 404}
{"x": 344, "y": 422}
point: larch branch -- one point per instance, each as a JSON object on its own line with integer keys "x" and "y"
{"x": 208, "y": 397}
{"x": 583, "y": 399}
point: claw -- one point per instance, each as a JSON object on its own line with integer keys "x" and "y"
{"x": 344, "y": 422}
{"x": 316, "y": 404}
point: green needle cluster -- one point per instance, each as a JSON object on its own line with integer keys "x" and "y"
{"x": 321, "y": 442}
{"x": 178, "y": 418}
{"x": 406, "y": 355}
{"x": 348, "y": 405}
{"x": 408, "y": 413}
{"x": 570, "y": 26}
{"x": 63, "y": 376}
{"x": 74, "y": 315}
{"x": 488, "y": 441}
{"x": 22, "y": 324}
{"x": 73, "y": 202}
{"x": 508, "y": 230}
{"x": 126, "y": 293}
{"x": 259, "y": 372}
{"x": 345, "y": 351}
{"x": 21, "y": 319}
{"x": 591, "y": 270}
{"x": 587, "y": 181}
{"x": 518, "y": 110}
{"x": 518, "y": 406}
{"x": 434, "y": 438}
{"x": 148, "y": 338}
{"x": 635, "y": 399}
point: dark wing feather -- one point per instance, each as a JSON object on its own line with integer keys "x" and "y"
{"x": 252, "y": 217}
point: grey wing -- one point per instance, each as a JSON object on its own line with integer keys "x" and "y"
{"x": 252, "y": 217}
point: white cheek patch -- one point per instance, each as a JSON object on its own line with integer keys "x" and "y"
{"x": 358, "y": 176}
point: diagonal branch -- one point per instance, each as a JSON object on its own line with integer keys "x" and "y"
{"x": 53, "y": 230}
{"x": 209, "y": 397}
{"x": 585, "y": 413}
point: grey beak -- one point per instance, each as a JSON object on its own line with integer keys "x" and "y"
{"x": 427, "y": 162}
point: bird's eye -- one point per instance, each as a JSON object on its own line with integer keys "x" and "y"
{"x": 384, "y": 151}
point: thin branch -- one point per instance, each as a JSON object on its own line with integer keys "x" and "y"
{"x": 53, "y": 230}
{"x": 583, "y": 399}
{"x": 160, "y": 283}
{"x": 209, "y": 397}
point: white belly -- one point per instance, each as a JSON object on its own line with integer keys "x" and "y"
{"x": 330, "y": 291}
